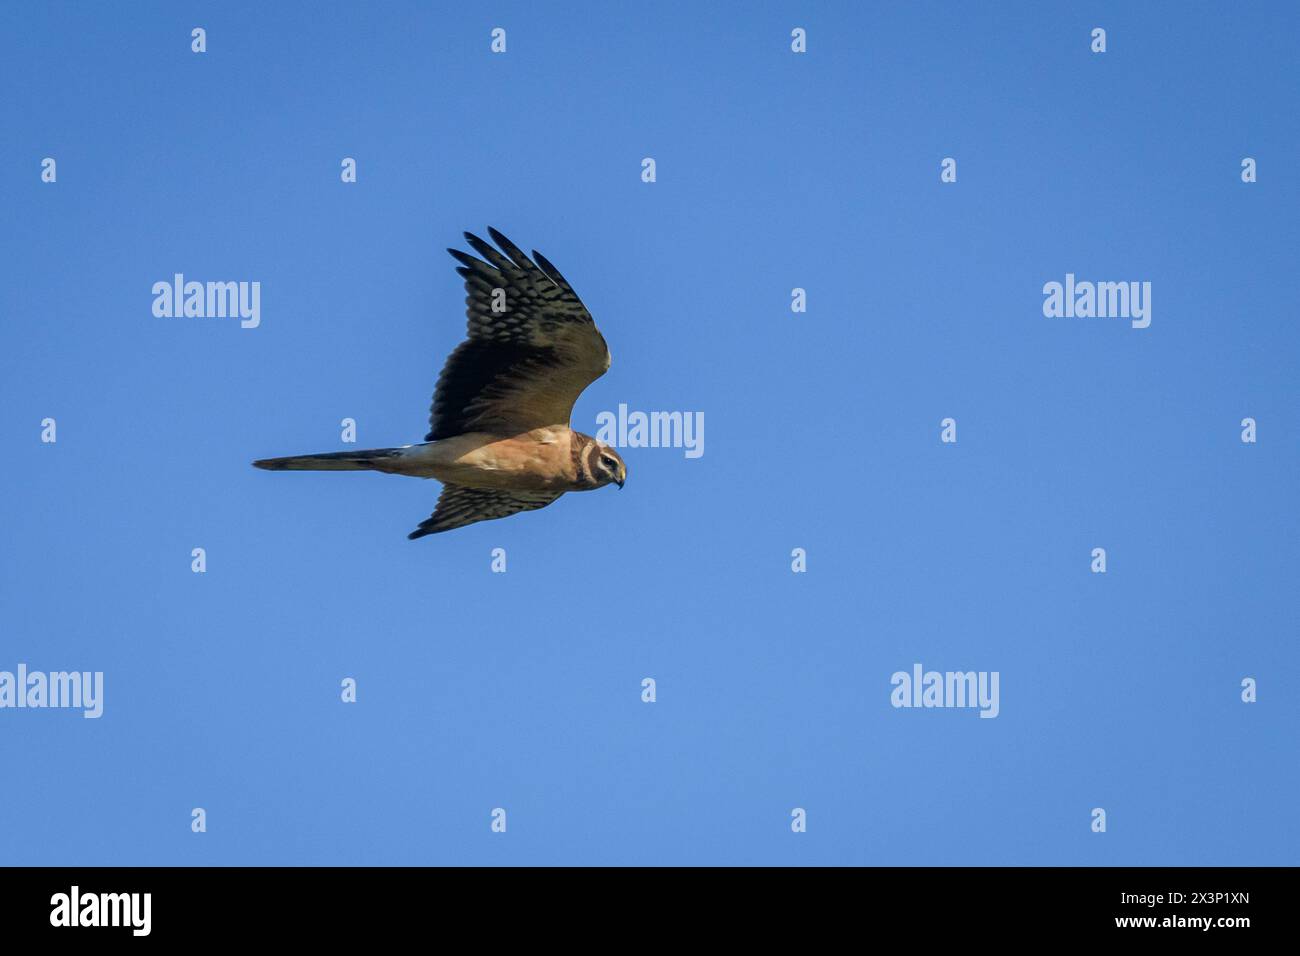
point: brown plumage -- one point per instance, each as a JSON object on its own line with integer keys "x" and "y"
{"x": 499, "y": 438}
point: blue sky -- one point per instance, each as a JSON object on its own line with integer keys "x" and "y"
{"x": 774, "y": 171}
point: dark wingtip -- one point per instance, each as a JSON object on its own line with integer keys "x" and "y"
{"x": 466, "y": 258}
{"x": 547, "y": 267}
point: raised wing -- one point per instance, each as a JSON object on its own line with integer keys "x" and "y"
{"x": 459, "y": 506}
{"x": 532, "y": 346}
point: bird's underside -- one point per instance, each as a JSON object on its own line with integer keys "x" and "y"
{"x": 499, "y": 436}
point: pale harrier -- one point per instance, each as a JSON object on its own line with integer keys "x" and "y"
{"x": 499, "y": 437}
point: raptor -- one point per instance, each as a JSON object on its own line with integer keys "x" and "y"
{"x": 499, "y": 436}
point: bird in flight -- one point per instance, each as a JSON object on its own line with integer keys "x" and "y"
{"x": 499, "y": 438}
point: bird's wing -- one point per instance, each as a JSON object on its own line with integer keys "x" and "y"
{"x": 532, "y": 346}
{"x": 459, "y": 506}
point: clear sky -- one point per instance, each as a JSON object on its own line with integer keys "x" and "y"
{"x": 775, "y": 171}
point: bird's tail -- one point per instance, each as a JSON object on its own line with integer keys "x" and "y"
{"x": 370, "y": 459}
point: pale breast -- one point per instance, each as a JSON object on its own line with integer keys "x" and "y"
{"x": 538, "y": 460}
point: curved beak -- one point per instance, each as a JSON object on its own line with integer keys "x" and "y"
{"x": 620, "y": 484}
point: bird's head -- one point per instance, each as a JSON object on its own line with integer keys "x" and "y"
{"x": 607, "y": 465}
